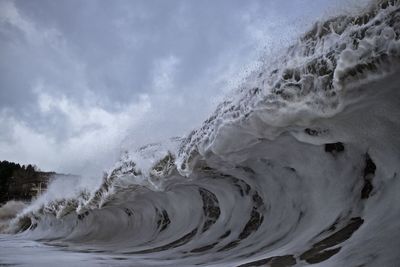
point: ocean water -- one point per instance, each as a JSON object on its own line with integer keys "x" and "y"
{"x": 300, "y": 166}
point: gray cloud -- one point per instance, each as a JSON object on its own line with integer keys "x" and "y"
{"x": 78, "y": 79}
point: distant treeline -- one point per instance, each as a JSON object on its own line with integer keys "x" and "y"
{"x": 21, "y": 182}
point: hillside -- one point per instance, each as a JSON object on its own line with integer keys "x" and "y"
{"x": 22, "y": 182}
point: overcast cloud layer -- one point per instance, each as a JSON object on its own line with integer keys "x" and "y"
{"x": 82, "y": 80}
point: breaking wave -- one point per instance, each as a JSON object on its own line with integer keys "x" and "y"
{"x": 299, "y": 166}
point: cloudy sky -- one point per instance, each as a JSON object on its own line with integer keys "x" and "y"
{"x": 82, "y": 80}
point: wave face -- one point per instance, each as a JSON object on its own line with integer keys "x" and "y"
{"x": 300, "y": 166}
